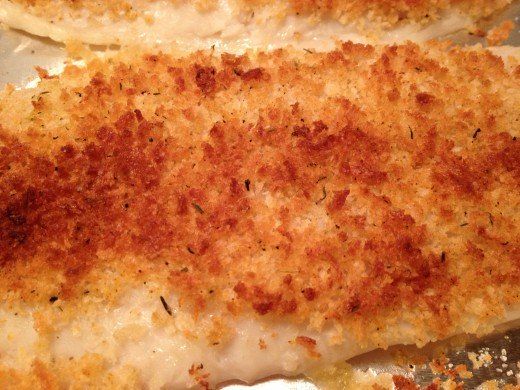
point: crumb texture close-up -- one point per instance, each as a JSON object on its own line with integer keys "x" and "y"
{"x": 373, "y": 190}
{"x": 238, "y": 25}
{"x": 381, "y": 11}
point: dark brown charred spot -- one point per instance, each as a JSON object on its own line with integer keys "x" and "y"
{"x": 138, "y": 115}
{"x": 68, "y": 151}
{"x": 14, "y": 217}
{"x": 240, "y": 289}
{"x": 205, "y": 79}
{"x": 364, "y": 171}
{"x": 363, "y": 156}
{"x": 264, "y": 302}
{"x": 338, "y": 201}
{"x": 152, "y": 58}
{"x": 309, "y": 293}
{"x": 78, "y": 204}
{"x": 99, "y": 86}
{"x": 353, "y": 304}
{"x": 292, "y": 173}
{"x": 252, "y": 74}
{"x": 289, "y": 306}
{"x": 402, "y": 383}
{"x": 315, "y": 141}
{"x": 181, "y": 84}
{"x": 263, "y": 308}
{"x": 182, "y": 205}
{"x": 424, "y": 99}
{"x": 16, "y": 237}
{"x": 231, "y": 59}
{"x": 300, "y": 131}
{"x": 235, "y": 188}
{"x": 454, "y": 173}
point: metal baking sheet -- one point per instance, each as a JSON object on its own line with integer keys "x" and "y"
{"x": 21, "y": 52}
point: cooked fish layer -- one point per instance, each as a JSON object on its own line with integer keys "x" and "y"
{"x": 165, "y": 221}
{"x": 236, "y": 25}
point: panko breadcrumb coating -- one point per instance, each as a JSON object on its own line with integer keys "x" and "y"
{"x": 235, "y": 26}
{"x": 387, "y": 12}
{"x": 363, "y": 187}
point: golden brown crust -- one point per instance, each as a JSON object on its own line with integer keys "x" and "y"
{"x": 402, "y": 383}
{"x": 356, "y": 186}
{"x": 88, "y": 371}
{"x": 391, "y": 11}
{"x": 384, "y": 12}
{"x": 118, "y": 9}
{"x": 500, "y": 33}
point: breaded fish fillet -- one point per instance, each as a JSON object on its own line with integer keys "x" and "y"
{"x": 178, "y": 222}
{"x": 236, "y": 25}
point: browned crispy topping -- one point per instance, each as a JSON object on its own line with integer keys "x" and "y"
{"x": 402, "y": 383}
{"x": 309, "y": 344}
{"x": 383, "y": 12}
{"x": 196, "y": 371}
{"x": 295, "y": 192}
{"x": 432, "y": 386}
{"x": 394, "y": 10}
{"x": 205, "y": 78}
{"x": 500, "y": 33}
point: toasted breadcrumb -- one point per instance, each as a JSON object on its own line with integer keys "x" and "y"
{"x": 403, "y": 383}
{"x": 500, "y": 33}
{"x": 393, "y": 11}
{"x": 360, "y": 187}
{"x": 383, "y": 12}
{"x": 482, "y": 359}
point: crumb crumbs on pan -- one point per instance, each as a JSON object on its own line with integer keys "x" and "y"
{"x": 497, "y": 35}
